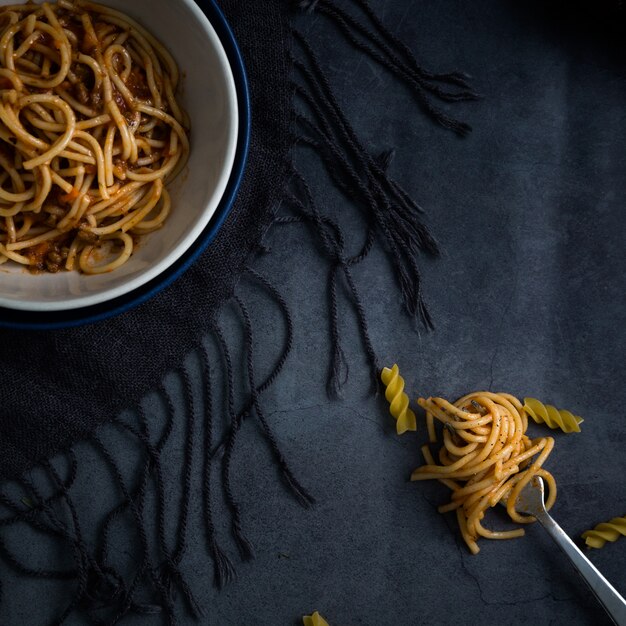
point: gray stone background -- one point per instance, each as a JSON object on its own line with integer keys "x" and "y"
{"x": 528, "y": 298}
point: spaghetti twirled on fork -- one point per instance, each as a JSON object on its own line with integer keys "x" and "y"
{"x": 486, "y": 459}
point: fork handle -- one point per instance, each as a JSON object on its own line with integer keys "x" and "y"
{"x": 606, "y": 594}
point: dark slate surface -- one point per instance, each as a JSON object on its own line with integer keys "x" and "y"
{"x": 528, "y": 298}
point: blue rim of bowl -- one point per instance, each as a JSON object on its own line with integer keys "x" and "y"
{"x": 25, "y": 320}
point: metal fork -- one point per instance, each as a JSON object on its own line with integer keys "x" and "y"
{"x": 531, "y": 502}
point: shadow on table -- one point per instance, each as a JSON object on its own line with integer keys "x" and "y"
{"x": 599, "y": 23}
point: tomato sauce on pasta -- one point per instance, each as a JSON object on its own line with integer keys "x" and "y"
{"x": 90, "y": 134}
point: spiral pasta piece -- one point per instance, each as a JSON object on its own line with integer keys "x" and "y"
{"x": 551, "y": 416}
{"x": 486, "y": 459}
{"x": 314, "y": 620}
{"x": 607, "y": 531}
{"x": 398, "y": 400}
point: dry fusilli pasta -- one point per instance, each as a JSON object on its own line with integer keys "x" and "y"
{"x": 398, "y": 400}
{"x": 607, "y": 531}
{"x": 314, "y": 620}
{"x": 551, "y": 416}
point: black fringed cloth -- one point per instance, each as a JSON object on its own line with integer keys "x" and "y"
{"x": 109, "y": 363}
{"x": 527, "y": 298}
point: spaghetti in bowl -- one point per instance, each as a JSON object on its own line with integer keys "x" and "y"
{"x": 113, "y": 145}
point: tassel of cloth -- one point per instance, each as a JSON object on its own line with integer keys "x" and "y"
{"x": 392, "y": 215}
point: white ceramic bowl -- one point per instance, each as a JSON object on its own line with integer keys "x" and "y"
{"x": 210, "y": 98}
